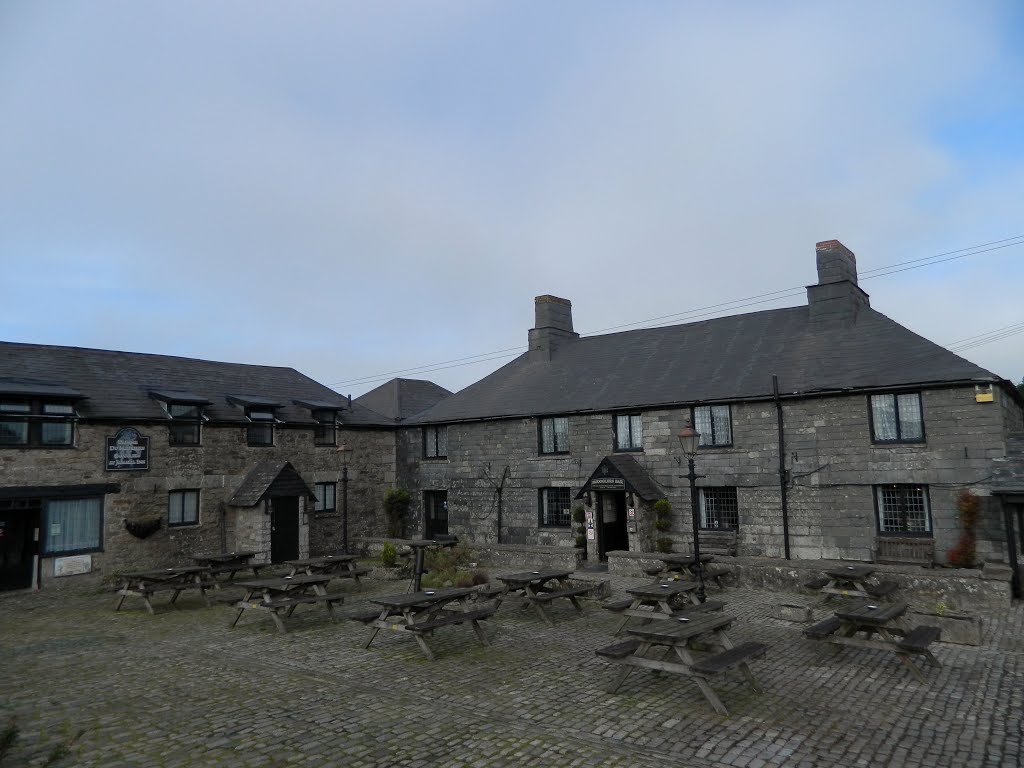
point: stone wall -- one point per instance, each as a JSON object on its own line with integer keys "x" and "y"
{"x": 216, "y": 469}
{"x": 832, "y": 469}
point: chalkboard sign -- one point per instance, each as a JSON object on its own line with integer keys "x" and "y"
{"x": 127, "y": 450}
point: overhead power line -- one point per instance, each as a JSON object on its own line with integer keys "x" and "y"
{"x": 715, "y": 309}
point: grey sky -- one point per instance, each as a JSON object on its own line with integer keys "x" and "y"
{"x": 356, "y": 188}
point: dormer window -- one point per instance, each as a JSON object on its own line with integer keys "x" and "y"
{"x": 36, "y": 424}
{"x": 261, "y": 431}
{"x": 186, "y": 423}
{"x": 326, "y": 432}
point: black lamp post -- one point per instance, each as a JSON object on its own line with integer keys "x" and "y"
{"x": 689, "y": 439}
{"x": 344, "y": 450}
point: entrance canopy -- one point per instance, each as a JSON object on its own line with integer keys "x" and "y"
{"x": 270, "y": 478}
{"x": 622, "y": 473}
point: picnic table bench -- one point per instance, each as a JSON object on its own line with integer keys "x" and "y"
{"x": 539, "y": 588}
{"x": 879, "y": 624}
{"x": 338, "y": 566}
{"x": 653, "y": 601}
{"x": 850, "y": 581}
{"x": 229, "y": 563}
{"x": 281, "y": 595}
{"x": 679, "y": 638}
{"x": 146, "y": 584}
{"x": 421, "y": 613}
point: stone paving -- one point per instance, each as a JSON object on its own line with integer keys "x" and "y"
{"x": 182, "y": 689}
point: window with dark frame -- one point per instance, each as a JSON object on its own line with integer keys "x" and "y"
{"x": 555, "y": 506}
{"x": 719, "y": 508}
{"x": 71, "y": 526}
{"x": 182, "y": 508}
{"x": 629, "y": 432}
{"x": 554, "y": 435}
{"x": 326, "y": 497}
{"x": 903, "y": 509}
{"x": 36, "y": 424}
{"x": 714, "y": 423}
{"x": 896, "y": 418}
{"x": 260, "y": 432}
{"x": 186, "y": 421}
{"x": 326, "y": 430}
{"x": 435, "y": 442}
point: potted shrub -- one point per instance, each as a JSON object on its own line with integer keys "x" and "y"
{"x": 964, "y": 554}
{"x": 663, "y": 524}
{"x": 396, "y": 509}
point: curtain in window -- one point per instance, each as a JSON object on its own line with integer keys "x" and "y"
{"x": 636, "y": 428}
{"x": 911, "y": 423}
{"x": 702, "y": 423}
{"x": 561, "y": 434}
{"x": 324, "y": 496}
{"x": 442, "y": 441}
{"x": 723, "y": 429}
{"x": 622, "y": 431}
{"x": 883, "y": 414}
{"x": 547, "y": 436}
{"x": 183, "y": 508}
{"x": 72, "y": 525}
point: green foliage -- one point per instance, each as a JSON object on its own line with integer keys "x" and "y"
{"x": 578, "y": 514}
{"x": 581, "y": 540}
{"x": 662, "y": 524}
{"x": 663, "y": 508}
{"x": 388, "y": 555}
{"x": 663, "y": 544}
{"x": 396, "y": 510}
{"x": 450, "y": 565}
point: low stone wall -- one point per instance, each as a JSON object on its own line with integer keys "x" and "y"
{"x": 953, "y": 589}
{"x": 495, "y": 555}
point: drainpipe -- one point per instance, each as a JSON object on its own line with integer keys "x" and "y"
{"x": 783, "y": 474}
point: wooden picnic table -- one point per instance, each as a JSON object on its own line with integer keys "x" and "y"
{"x": 678, "y": 637}
{"x": 281, "y": 595}
{"x": 539, "y": 588}
{"x": 684, "y": 563}
{"x": 659, "y": 600}
{"x": 851, "y": 581}
{"x": 175, "y": 580}
{"x": 229, "y": 562}
{"x": 338, "y": 566}
{"x": 421, "y": 613}
{"x": 883, "y": 631}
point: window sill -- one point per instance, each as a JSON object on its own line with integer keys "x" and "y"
{"x": 37, "y": 447}
{"x": 899, "y": 443}
{"x": 176, "y": 526}
{"x": 627, "y": 450}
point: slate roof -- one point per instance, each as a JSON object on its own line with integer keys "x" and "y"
{"x": 266, "y": 475}
{"x": 401, "y": 398}
{"x": 118, "y": 385}
{"x": 723, "y": 359}
{"x": 638, "y": 480}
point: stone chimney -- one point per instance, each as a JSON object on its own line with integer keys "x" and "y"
{"x": 552, "y": 326}
{"x": 836, "y": 297}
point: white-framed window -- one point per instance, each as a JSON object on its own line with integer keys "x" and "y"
{"x": 714, "y": 423}
{"x": 897, "y": 418}
{"x": 629, "y": 432}
{"x": 719, "y": 508}
{"x": 554, "y": 435}
{"x": 72, "y": 525}
{"x": 555, "y": 504}
{"x": 326, "y": 497}
{"x": 435, "y": 442}
{"x": 260, "y": 431}
{"x": 36, "y": 424}
{"x": 903, "y": 508}
{"x": 183, "y": 508}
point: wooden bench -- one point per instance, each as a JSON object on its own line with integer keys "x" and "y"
{"x": 619, "y": 650}
{"x": 823, "y": 629}
{"x": 818, "y": 583}
{"x": 917, "y": 641}
{"x": 716, "y": 573}
{"x": 572, "y": 592}
{"x": 291, "y": 602}
{"x": 706, "y": 607}
{"x": 452, "y": 617}
{"x": 618, "y": 605}
{"x": 718, "y": 543}
{"x": 714, "y": 665}
{"x": 884, "y": 589}
{"x": 365, "y": 616}
{"x": 353, "y": 573}
{"x": 653, "y": 570}
{"x": 914, "y": 550}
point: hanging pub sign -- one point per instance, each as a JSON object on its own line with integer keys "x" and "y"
{"x": 127, "y": 450}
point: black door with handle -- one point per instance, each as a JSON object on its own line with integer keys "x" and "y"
{"x": 284, "y": 529}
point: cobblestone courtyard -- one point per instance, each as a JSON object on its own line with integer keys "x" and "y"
{"x": 181, "y": 689}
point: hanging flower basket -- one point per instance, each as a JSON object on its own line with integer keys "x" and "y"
{"x": 142, "y": 527}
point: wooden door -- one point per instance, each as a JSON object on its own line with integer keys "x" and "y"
{"x": 19, "y": 524}
{"x": 284, "y": 529}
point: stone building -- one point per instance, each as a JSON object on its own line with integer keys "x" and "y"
{"x": 112, "y": 461}
{"x": 827, "y": 431}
